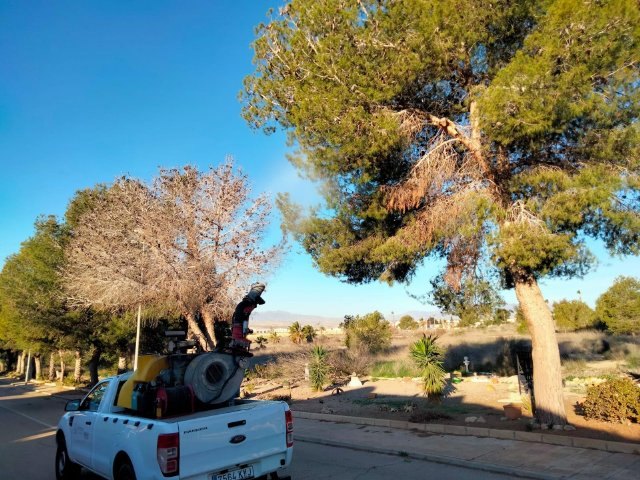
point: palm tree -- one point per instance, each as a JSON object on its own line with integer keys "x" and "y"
{"x": 295, "y": 333}
{"x": 425, "y": 354}
{"x": 309, "y": 333}
{"x": 274, "y": 337}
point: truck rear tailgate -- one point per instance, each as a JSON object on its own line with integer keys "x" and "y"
{"x": 251, "y": 433}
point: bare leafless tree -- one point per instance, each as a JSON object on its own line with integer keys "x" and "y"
{"x": 189, "y": 243}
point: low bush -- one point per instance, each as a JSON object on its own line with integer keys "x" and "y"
{"x": 265, "y": 371}
{"x": 345, "y": 362}
{"x": 616, "y": 401}
{"x": 393, "y": 369}
{"x": 633, "y": 362}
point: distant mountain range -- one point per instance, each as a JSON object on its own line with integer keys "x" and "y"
{"x": 281, "y": 318}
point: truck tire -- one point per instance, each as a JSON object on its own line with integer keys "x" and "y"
{"x": 65, "y": 468}
{"x": 125, "y": 471}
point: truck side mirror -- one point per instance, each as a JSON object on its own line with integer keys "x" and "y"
{"x": 72, "y": 406}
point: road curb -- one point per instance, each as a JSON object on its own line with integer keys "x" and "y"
{"x": 486, "y": 467}
{"x": 442, "y": 429}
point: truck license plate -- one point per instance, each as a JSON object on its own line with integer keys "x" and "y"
{"x": 239, "y": 474}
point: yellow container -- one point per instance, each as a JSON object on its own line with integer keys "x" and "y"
{"x": 149, "y": 366}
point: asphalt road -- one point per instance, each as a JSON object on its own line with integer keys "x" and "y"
{"x": 28, "y": 416}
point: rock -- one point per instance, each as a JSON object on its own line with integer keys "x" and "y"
{"x": 409, "y": 408}
{"x": 326, "y": 410}
{"x": 569, "y": 428}
{"x": 372, "y": 396}
{"x": 481, "y": 420}
{"x": 471, "y": 419}
{"x": 503, "y": 419}
{"x": 544, "y": 426}
{"x": 355, "y": 382}
{"x": 558, "y": 427}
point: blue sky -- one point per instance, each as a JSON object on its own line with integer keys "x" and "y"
{"x": 93, "y": 90}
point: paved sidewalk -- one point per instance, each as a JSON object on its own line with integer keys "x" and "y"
{"x": 511, "y": 457}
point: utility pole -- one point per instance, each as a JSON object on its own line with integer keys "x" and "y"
{"x": 135, "y": 358}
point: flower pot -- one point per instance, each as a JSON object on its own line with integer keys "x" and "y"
{"x": 512, "y": 411}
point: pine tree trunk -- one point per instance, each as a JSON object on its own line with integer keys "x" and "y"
{"x": 93, "y": 365}
{"x": 547, "y": 375}
{"x": 23, "y": 363}
{"x": 122, "y": 365}
{"x": 62, "y": 365}
{"x": 77, "y": 370}
{"x": 38, "y": 367}
{"x": 52, "y": 367}
{"x": 19, "y": 364}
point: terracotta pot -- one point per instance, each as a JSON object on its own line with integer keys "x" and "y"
{"x": 512, "y": 411}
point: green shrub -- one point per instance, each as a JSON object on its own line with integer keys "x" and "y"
{"x": 616, "y": 401}
{"x": 426, "y": 355}
{"x": 371, "y": 331}
{"x": 318, "y": 368}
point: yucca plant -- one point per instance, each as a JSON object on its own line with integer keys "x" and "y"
{"x": 426, "y": 356}
{"x": 318, "y": 368}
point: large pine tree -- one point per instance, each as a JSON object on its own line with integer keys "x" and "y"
{"x": 497, "y": 130}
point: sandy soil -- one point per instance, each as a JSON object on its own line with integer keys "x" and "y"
{"x": 401, "y": 399}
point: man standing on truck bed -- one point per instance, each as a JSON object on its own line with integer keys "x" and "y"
{"x": 240, "y": 319}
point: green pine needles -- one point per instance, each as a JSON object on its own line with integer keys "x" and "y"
{"x": 426, "y": 356}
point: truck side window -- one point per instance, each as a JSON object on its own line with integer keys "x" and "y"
{"x": 92, "y": 401}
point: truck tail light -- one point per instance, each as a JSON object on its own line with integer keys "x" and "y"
{"x": 169, "y": 454}
{"x": 288, "y": 419}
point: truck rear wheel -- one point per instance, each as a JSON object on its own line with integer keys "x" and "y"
{"x": 65, "y": 468}
{"x": 125, "y": 471}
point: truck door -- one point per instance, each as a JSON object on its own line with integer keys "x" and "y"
{"x": 83, "y": 423}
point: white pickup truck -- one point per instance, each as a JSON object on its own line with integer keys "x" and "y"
{"x": 249, "y": 439}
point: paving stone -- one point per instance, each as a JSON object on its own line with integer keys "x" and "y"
{"x": 589, "y": 443}
{"x": 504, "y": 434}
{"x": 455, "y": 430}
{"x": 528, "y": 436}
{"x": 557, "y": 440}
{"x": 434, "y": 428}
{"x": 620, "y": 447}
